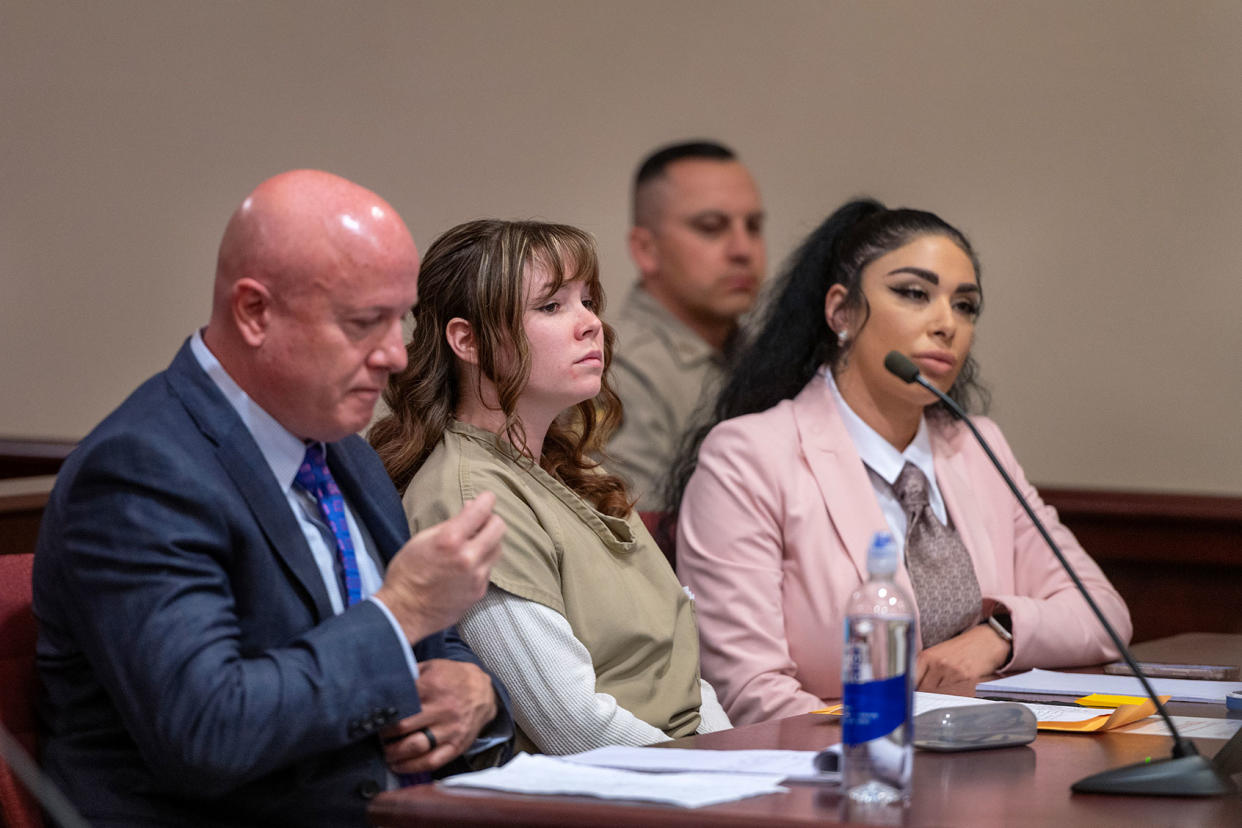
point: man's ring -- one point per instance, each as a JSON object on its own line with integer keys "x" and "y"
{"x": 431, "y": 740}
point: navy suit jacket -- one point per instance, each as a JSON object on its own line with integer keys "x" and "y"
{"x": 193, "y": 670}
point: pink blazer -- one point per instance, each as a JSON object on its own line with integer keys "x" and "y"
{"x": 773, "y": 538}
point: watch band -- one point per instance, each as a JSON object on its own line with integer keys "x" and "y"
{"x": 1001, "y": 624}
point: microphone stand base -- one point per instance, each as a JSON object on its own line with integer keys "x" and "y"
{"x": 1177, "y": 776}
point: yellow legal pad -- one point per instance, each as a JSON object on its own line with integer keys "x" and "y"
{"x": 1129, "y": 709}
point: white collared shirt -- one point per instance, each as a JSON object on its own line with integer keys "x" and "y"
{"x": 884, "y": 463}
{"x": 283, "y": 453}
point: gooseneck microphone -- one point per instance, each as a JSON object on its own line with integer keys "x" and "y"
{"x": 1185, "y": 773}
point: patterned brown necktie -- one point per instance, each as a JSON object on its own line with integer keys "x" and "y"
{"x": 940, "y": 568}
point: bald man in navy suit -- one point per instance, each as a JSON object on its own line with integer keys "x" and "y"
{"x": 220, "y": 641}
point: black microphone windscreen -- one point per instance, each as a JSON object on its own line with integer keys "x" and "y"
{"x": 899, "y": 364}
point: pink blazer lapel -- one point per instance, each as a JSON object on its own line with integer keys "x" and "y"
{"x": 839, "y": 473}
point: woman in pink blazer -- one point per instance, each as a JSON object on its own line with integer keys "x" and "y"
{"x": 810, "y": 435}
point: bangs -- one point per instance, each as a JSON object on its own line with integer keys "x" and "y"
{"x": 568, "y": 255}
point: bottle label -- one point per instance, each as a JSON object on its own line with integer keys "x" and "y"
{"x": 873, "y": 709}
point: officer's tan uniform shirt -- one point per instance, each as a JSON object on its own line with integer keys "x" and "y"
{"x": 660, "y": 370}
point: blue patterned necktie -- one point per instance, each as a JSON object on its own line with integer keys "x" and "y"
{"x": 315, "y": 478}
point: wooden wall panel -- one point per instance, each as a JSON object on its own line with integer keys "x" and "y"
{"x": 1176, "y": 559}
{"x": 27, "y": 458}
{"x": 21, "y": 510}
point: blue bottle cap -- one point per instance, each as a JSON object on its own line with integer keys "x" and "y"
{"x": 882, "y": 554}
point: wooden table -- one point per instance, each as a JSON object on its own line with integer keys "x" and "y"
{"x": 1016, "y": 786}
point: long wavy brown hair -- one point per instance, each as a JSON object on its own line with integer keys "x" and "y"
{"x": 476, "y": 272}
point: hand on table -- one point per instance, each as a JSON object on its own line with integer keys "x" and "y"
{"x": 967, "y": 656}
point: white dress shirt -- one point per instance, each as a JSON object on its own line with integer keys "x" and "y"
{"x": 884, "y": 463}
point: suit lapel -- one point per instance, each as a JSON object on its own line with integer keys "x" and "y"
{"x": 839, "y": 473}
{"x": 270, "y": 507}
{"x": 241, "y": 459}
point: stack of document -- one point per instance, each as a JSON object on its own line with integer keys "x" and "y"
{"x": 788, "y": 765}
{"x": 1080, "y": 684}
{"x": 688, "y": 778}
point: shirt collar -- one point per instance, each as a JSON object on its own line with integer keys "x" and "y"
{"x": 879, "y": 454}
{"x": 688, "y": 347}
{"x": 282, "y": 451}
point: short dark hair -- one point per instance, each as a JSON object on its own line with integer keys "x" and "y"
{"x": 654, "y": 165}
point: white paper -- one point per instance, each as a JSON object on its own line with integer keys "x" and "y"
{"x": 1196, "y": 726}
{"x": 1061, "y": 713}
{"x": 1043, "y": 712}
{"x": 1082, "y": 684}
{"x": 553, "y": 775}
{"x": 935, "y": 701}
{"x": 797, "y": 765}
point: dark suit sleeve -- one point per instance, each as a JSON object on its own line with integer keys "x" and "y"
{"x": 372, "y": 494}
{"x": 152, "y": 563}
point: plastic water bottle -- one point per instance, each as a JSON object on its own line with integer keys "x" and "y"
{"x": 877, "y": 732}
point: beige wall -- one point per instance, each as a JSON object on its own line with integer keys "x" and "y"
{"x": 1091, "y": 150}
